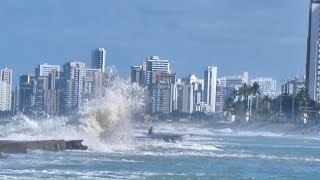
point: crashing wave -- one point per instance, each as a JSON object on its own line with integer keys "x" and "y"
{"x": 103, "y": 123}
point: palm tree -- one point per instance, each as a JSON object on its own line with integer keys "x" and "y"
{"x": 245, "y": 91}
{"x": 256, "y": 91}
{"x": 303, "y": 97}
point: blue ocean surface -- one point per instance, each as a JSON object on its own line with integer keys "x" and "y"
{"x": 204, "y": 153}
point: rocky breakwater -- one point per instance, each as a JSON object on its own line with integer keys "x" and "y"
{"x": 12, "y": 147}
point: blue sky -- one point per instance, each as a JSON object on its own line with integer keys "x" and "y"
{"x": 265, "y": 37}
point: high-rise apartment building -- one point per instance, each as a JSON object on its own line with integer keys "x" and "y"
{"x": 210, "y": 88}
{"x": 292, "y": 87}
{"x": 45, "y": 69}
{"x": 6, "y": 87}
{"x": 46, "y": 99}
{"x": 3, "y": 96}
{"x": 155, "y": 74}
{"x": 98, "y": 59}
{"x": 154, "y": 64}
{"x": 266, "y": 84}
{"x": 50, "y": 94}
{"x": 92, "y": 84}
{"x": 313, "y": 52}
{"x": 137, "y": 74}
{"x": 73, "y": 76}
{"x": 187, "y": 98}
{"x": 26, "y": 93}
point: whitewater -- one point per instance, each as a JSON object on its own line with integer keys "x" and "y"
{"x": 110, "y": 127}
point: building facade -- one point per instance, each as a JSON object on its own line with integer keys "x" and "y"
{"x": 6, "y": 88}
{"x": 313, "y": 52}
{"x": 267, "y": 85}
{"x": 73, "y": 76}
{"x": 45, "y": 69}
{"x": 210, "y": 88}
{"x": 98, "y": 59}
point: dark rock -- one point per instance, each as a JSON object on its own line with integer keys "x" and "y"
{"x": 47, "y": 145}
{"x": 12, "y": 147}
{"x": 75, "y": 145}
{"x": 167, "y": 137}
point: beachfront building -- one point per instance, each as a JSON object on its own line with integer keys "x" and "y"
{"x": 26, "y": 94}
{"x": 156, "y": 76}
{"x": 210, "y": 88}
{"x": 73, "y": 76}
{"x": 45, "y": 69}
{"x": 267, "y": 85}
{"x": 5, "y": 89}
{"x": 92, "y": 84}
{"x": 292, "y": 87}
{"x": 98, "y": 59}
{"x": 313, "y": 52}
{"x": 46, "y": 95}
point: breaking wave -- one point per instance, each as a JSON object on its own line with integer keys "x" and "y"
{"x": 103, "y": 123}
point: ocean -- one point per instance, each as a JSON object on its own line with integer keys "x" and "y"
{"x": 203, "y": 153}
{"x": 120, "y": 148}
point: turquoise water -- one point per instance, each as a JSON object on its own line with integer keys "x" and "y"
{"x": 204, "y": 153}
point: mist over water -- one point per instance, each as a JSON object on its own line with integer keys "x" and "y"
{"x": 103, "y": 123}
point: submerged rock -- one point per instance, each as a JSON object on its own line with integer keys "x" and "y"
{"x": 12, "y": 147}
{"x": 166, "y": 137}
{"x": 75, "y": 145}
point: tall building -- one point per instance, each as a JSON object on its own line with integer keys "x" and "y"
{"x": 187, "y": 98}
{"x": 45, "y": 69}
{"x": 17, "y": 99}
{"x": 98, "y": 59}
{"x": 313, "y": 52}
{"x": 73, "y": 76}
{"x": 45, "y": 92}
{"x": 26, "y": 93}
{"x": 210, "y": 88}
{"x": 50, "y": 94}
{"x": 293, "y": 86}
{"x": 137, "y": 74}
{"x": 92, "y": 84}
{"x": 267, "y": 85}
{"x": 3, "y": 96}
{"x": 220, "y": 98}
{"x": 155, "y": 64}
{"x": 162, "y": 91}
{"x": 6, "y": 86}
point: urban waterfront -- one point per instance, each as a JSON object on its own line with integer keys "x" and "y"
{"x": 161, "y": 90}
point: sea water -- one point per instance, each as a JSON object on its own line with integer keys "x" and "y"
{"x": 203, "y": 153}
{"x": 117, "y": 151}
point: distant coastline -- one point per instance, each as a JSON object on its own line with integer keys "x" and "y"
{"x": 281, "y": 128}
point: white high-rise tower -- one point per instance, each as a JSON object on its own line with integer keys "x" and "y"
{"x": 5, "y": 89}
{"x": 313, "y": 52}
{"x": 98, "y": 59}
{"x": 210, "y": 88}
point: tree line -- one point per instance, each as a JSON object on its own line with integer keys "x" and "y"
{"x": 248, "y": 103}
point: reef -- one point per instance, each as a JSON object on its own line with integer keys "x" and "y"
{"x": 13, "y": 147}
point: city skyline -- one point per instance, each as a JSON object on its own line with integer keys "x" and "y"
{"x": 273, "y": 37}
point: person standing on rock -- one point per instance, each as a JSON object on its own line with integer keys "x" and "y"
{"x": 151, "y": 130}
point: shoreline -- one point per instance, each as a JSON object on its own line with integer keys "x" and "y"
{"x": 282, "y": 128}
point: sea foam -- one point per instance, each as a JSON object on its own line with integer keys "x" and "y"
{"x": 103, "y": 123}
